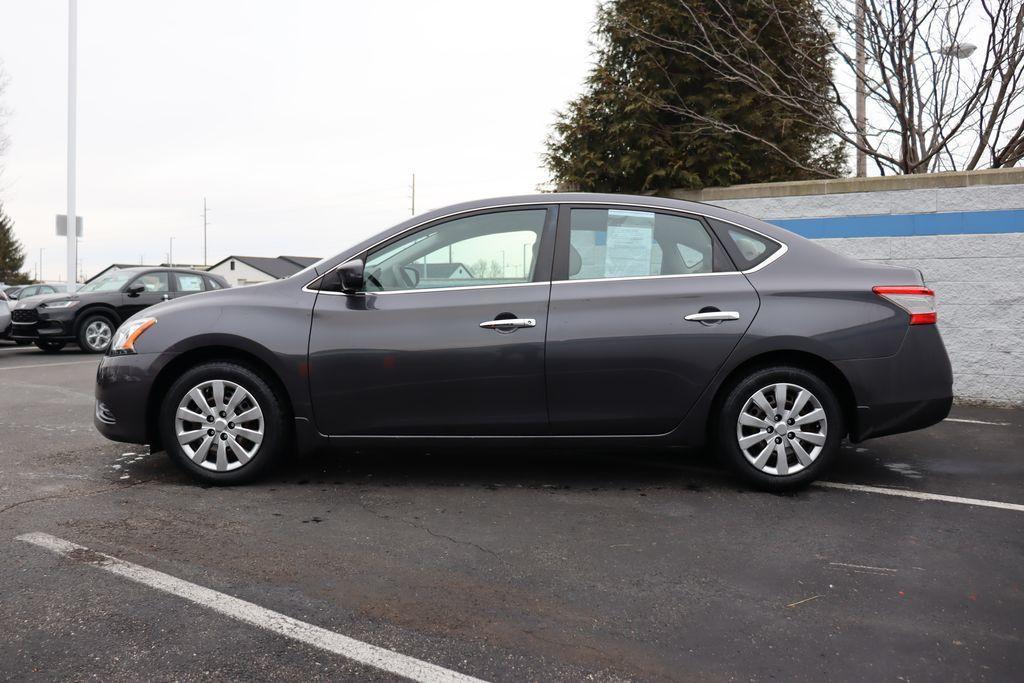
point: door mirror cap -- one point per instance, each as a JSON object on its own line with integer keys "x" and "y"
{"x": 350, "y": 276}
{"x": 135, "y": 290}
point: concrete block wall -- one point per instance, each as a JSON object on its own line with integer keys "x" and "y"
{"x": 964, "y": 231}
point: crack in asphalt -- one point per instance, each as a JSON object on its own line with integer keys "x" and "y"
{"x": 72, "y": 495}
{"x": 424, "y": 527}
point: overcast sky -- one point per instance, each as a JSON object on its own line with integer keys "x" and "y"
{"x": 300, "y": 121}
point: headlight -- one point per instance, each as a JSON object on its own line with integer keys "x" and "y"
{"x": 61, "y": 304}
{"x": 129, "y": 333}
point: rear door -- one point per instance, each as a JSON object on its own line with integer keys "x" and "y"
{"x": 188, "y": 283}
{"x": 622, "y": 355}
{"x": 448, "y": 336}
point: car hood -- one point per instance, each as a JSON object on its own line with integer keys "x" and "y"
{"x": 34, "y": 301}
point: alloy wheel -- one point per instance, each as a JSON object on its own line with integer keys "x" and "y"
{"x": 98, "y": 334}
{"x": 781, "y": 429}
{"x": 219, "y": 425}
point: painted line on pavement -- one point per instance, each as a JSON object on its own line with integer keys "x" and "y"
{"x": 976, "y": 422}
{"x": 49, "y": 365}
{"x": 920, "y": 496}
{"x": 358, "y": 651}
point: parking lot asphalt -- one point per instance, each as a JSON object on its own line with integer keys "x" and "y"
{"x": 508, "y": 565}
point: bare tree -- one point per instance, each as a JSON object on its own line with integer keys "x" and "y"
{"x": 931, "y": 106}
{"x": 4, "y": 140}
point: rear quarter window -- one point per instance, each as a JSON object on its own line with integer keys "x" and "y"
{"x": 747, "y": 248}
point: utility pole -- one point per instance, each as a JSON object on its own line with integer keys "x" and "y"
{"x": 72, "y": 261}
{"x": 170, "y": 253}
{"x": 205, "y": 224}
{"x": 39, "y": 273}
{"x": 413, "y": 195}
{"x": 862, "y": 141}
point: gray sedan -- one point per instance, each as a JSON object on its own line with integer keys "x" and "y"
{"x": 558, "y": 319}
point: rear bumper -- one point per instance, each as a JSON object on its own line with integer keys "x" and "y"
{"x": 909, "y": 390}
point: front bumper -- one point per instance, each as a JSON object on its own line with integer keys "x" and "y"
{"x": 123, "y": 386}
{"x": 909, "y": 390}
{"x": 40, "y": 324}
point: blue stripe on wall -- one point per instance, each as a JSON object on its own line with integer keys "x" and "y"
{"x": 903, "y": 225}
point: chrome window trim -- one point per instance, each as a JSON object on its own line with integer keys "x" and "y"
{"x": 433, "y": 289}
{"x": 768, "y": 261}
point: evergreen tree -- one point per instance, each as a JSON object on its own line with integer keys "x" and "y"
{"x": 642, "y": 122}
{"x": 12, "y": 255}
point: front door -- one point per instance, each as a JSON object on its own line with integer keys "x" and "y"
{"x": 622, "y": 357}
{"x": 448, "y": 336}
{"x": 156, "y": 288}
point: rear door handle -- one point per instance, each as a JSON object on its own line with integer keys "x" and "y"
{"x": 508, "y": 322}
{"x": 713, "y": 316}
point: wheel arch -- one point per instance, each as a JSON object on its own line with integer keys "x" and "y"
{"x": 97, "y": 309}
{"x": 806, "y": 360}
{"x": 206, "y": 354}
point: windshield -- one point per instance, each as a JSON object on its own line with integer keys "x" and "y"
{"x": 109, "y": 283}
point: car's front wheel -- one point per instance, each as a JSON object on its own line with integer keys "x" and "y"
{"x": 95, "y": 333}
{"x": 780, "y": 428}
{"x": 223, "y": 423}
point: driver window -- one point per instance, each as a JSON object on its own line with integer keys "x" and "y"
{"x": 487, "y": 249}
{"x": 153, "y": 282}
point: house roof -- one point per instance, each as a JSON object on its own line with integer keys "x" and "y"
{"x": 278, "y": 267}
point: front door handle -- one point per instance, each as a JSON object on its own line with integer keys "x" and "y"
{"x": 712, "y": 316}
{"x": 508, "y": 322}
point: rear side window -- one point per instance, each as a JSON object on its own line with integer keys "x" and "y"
{"x": 212, "y": 284}
{"x": 747, "y": 248}
{"x": 617, "y": 243}
{"x": 189, "y": 283}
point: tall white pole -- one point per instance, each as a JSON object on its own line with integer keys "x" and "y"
{"x": 72, "y": 270}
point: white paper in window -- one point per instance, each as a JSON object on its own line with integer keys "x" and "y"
{"x": 630, "y": 238}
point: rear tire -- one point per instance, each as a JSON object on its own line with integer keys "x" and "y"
{"x": 237, "y": 433}
{"x": 95, "y": 333}
{"x": 50, "y": 346}
{"x": 783, "y": 447}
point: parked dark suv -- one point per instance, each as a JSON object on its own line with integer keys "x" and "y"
{"x": 90, "y": 315}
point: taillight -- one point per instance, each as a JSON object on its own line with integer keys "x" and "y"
{"x": 919, "y": 302}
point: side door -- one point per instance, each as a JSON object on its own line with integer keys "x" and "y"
{"x": 448, "y": 336}
{"x": 156, "y": 287}
{"x": 188, "y": 283}
{"x": 627, "y": 349}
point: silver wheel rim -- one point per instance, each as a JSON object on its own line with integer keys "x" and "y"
{"x": 781, "y": 429}
{"x": 219, "y": 425}
{"x": 98, "y": 334}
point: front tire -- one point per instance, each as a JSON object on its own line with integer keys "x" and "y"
{"x": 222, "y": 423}
{"x": 50, "y": 346}
{"x": 780, "y": 428}
{"x": 95, "y": 333}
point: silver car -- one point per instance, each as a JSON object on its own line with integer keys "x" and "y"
{"x": 5, "y": 316}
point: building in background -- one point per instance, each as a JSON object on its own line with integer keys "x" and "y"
{"x": 251, "y": 270}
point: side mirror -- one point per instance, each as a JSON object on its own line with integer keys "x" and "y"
{"x": 135, "y": 290}
{"x": 350, "y": 275}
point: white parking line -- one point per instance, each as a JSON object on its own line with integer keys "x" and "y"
{"x": 48, "y": 365}
{"x": 976, "y": 422}
{"x": 920, "y": 496}
{"x": 364, "y": 653}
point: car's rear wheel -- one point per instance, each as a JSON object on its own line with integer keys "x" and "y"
{"x": 95, "y": 333}
{"x": 780, "y": 428}
{"x": 49, "y": 345}
{"x": 223, "y": 423}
